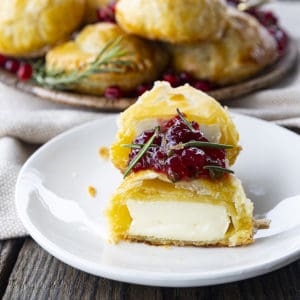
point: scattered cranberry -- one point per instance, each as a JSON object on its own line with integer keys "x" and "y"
{"x": 3, "y": 60}
{"x": 172, "y": 79}
{"x": 280, "y": 37}
{"x": 107, "y": 13}
{"x": 185, "y": 77}
{"x": 25, "y": 71}
{"x": 12, "y": 65}
{"x": 141, "y": 89}
{"x": 113, "y": 92}
{"x": 202, "y": 85}
{"x": 177, "y": 164}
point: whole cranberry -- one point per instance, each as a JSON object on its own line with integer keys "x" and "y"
{"x": 3, "y": 60}
{"x": 24, "y": 71}
{"x": 12, "y": 65}
{"x": 185, "y": 77}
{"x": 113, "y": 92}
{"x": 202, "y": 85}
{"x": 172, "y": 79}
{"x": 141, "y": 89}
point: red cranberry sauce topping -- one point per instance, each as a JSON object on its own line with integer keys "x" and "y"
{"x": 177, "y": 163}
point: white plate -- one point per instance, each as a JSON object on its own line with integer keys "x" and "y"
{"x": 55, "y": 207}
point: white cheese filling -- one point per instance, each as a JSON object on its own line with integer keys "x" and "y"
{"x": 178, "y": 220}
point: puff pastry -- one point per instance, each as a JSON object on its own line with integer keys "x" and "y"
{"x": 245, "y": 49}
{"x": 147, "y": 207}
{"x": 194, "y": 209}
{"x": 175, "y": 21}
{"x": 29, "y": 27}
{"x": 160, "y": 104}
{"x": 148, "y": 60}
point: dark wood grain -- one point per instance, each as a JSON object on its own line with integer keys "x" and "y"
{"x": 38, "y": 275}
{"x": 9, "y": 251}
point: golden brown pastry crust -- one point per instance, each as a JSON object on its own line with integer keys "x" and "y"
{"x": 148, "y": 59}
{"x": 161, "y": 103}
{"x": 245, "y": 49}
{"x": 27, "y": 27}
{"x": 151, "y": 186}
{"x": 175, "y": 21}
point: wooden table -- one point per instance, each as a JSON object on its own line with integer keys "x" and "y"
{"x": 28, "y": 272}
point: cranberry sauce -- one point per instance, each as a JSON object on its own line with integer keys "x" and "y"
{"x": 167, "y": 154}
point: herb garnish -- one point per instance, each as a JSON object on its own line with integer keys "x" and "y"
{"x": 216, "y": 172}
{"x": 108, "y": 60}
{"x": 137, "y": 146}
{"x": 202, "y": 144}
{"x": 141, "y": 153}
{"x": 185, "y": 121}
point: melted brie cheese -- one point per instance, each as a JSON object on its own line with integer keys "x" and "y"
{"x": 176, "y": 220}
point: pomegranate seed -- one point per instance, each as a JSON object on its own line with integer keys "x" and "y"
{"x": 141, "y": 89}
{"x": 202, "y": 85}
{"x": 3, "y": 60}
{"x": 113, "y": 92}
{"x": 172, "y": 79}
{"x": 12, "y": 65}
{"x": 25, "y": 71}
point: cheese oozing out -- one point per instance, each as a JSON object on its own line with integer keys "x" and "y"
{"x": 178, "y": 220}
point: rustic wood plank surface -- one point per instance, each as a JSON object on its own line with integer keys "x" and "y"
{"x": 9, "y": 251}
{"x": 38, "y": 275}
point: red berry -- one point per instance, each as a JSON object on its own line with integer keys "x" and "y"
{"x": 113, "y": 92}
{"x": 25, "y": 71}
{"x": 3, "y": 60}
{"x": 141, "y": 89}
{"x": 106, "y": 14}
{"x": 172, "y": 79}
{"x": 185, "y": 77}
{"x": 202, "y": 85}
{"x": 12, "y": 65}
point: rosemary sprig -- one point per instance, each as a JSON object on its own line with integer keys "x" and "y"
{"x": 141, "y": 153}
{"x": 216, "y": 172}
{"x": 186, "y": 122}
{"x": 137, "y": 146}
{"x": 109, "y": 59}
{"x": 202, "y": 144}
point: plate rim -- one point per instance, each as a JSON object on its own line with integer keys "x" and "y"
{"x": 137, "y": 276}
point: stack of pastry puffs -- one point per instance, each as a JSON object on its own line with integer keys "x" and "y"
{"x": 207, "y": 39}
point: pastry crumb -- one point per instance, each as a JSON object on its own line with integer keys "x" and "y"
{"x": 104, "y": 152}
{"x": 92, "y": 191}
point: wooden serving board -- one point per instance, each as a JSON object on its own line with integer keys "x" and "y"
{"x": 268, "y": 77}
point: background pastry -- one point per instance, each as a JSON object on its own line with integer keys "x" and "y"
{"x": 160, "y": 104}
{"x": 147, "y": 58}
{"x": 245, "y": 49}
{"x": 173, "y": 20}
{"x": 29, "y": 27}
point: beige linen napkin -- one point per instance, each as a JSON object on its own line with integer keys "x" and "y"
{"x": 27, "y": 122}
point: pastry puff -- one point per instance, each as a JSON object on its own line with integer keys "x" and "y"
{"x": 147, "y": 207}
{"x": 29, "y": 27}
{"x": 175, "y": 21}
{"x": 147, "y": 58}
{"x": 245, "y": 49}
{"x": 160, "y": 104}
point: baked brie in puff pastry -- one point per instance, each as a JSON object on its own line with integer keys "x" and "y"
{"x": 175, "y": 21}
{"x": 245, "y": 48}
{"x": 147, "y": 59}
{"x": 177, "y": 188}
{"x": 28, "y": 28}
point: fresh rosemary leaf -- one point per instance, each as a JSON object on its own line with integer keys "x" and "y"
{"x": 216, "y": 172}
{"x": 141, "y": 153}
{"x": 109, "y": 59}
{"x": 137, "y": 146}
{"x": 206, "y": 145}
{"x": 182, "y": 117}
